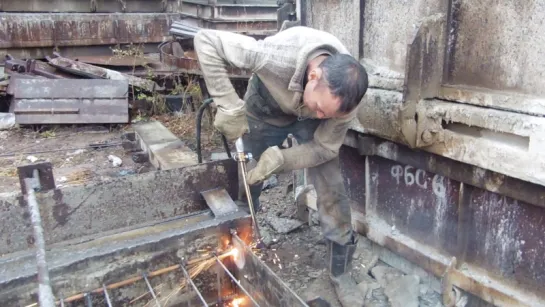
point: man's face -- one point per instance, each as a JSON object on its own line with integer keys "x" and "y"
{"x": 318, "y": 98}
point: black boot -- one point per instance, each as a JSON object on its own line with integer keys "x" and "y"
{"x": 339, "y": 260}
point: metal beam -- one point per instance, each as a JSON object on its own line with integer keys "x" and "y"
{"x": 21, "y": 30}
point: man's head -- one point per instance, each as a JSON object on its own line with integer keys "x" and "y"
{"x": 335, "y": 86}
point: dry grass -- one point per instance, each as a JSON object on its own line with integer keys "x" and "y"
{"x": 79, "y": 177}
{"x": 8, "y": 172}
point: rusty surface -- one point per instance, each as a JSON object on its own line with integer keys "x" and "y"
{"x": 63, "y": 29}
{"x": 69, "y": 101}
{"x": 45, "y": 176}
{"x": 32, "y": 67}
{"x": 185, "y": 59}
{"x": 495, "y": 182}
{"x": 353, "y": 171}
{"x": 430, "y": 209}
{"x": 420, "y": 204}
{"x": 95, "y": 72}
{"x": 506, "y": 237}
{"x": 79, "y": 6}
{"x": 240, "y": 12}
{"x": 114, "y": 60}
{"x": 470, "y": 279}
{"x": 423, "y": 73}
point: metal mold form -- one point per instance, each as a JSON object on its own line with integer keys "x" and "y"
{"x": 478, "y": 230}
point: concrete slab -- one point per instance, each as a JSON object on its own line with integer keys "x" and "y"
{"x": 164, "y": 149}
{"x": 77, "y": 211}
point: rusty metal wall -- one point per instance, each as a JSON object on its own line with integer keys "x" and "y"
{"x": 410, "y": 203}
{"x": 64, "y": 29}
{"x": 86, "y": 6}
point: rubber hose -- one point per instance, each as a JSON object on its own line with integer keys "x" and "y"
{"x": 200, "y": 112}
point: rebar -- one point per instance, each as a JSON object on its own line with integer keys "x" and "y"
{"x": 186, "y": 274}
{"x": 88, "y": 300}
{"x": 106, "y": 296}
{"x": 45, "y": 293}
{"x": 236, "y": 281}
{"x": 150, "y": 288}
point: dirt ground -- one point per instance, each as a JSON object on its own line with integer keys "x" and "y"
{"x": 296, "y": 251}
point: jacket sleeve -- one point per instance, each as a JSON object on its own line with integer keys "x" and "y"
{"x": 216, "y": 51}
{"x": 328, "y": 138}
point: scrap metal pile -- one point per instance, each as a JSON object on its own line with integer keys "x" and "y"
{"x": 107, "y": 64}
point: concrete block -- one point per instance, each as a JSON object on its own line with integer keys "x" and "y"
{"x": 165, "y": 150}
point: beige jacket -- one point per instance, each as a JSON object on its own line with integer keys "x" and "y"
{"x": 280, "y": 62}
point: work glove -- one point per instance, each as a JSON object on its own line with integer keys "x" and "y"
{"x": 271, "y": 161}
{"x": 232, "y": 123}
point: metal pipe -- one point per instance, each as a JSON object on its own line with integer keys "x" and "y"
{"x": 151, "y": 290}
{"x": 241, "y": 156}
{"x": 189, "y": 280}
{"x": 45, "y": 292}
{"x": 236, "y": 281}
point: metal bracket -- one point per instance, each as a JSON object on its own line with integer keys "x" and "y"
{"x": 423, "y": 75}
{"x": 42, "y": 174}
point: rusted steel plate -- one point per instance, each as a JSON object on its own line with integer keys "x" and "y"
{"x": 171, "y": 53}
{"x": 86, "y": 6}
{"x": 240, "y": 12}
{"x": 27, "y": 30}
{"x": 91, "y": 71}
{"x": 112, "y": 60}
{"x": 506, "y": 237}
{"x": 500, "y": 292}
{"x": 253, "y": 28}
{"x": 69, "y": 101}
{"x": 353, "y": 171}
{"x": 495, "y": 182}
{"x": 418, "y": 203}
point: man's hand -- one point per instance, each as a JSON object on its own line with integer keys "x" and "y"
{"x": 271, "y": 161}
{"x": 231, "y": 123}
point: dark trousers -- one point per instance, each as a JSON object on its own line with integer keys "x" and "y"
{"x": 333, "y": 202}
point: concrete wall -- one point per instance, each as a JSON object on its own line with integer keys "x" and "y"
{"x": 339, "y": 17}
{"x": 498, "y": 45}
{"x": 388, "y": 26}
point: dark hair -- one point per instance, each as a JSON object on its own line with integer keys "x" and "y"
{"x": 346, "y": 79}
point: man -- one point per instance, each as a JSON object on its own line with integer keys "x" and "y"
{"x": 305, "y": 83}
